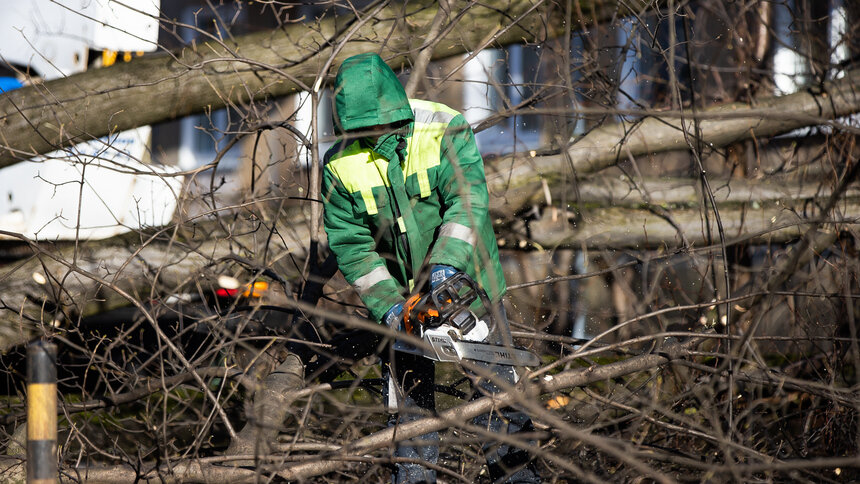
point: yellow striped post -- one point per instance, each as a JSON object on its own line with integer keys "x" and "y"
{"x": 41, "y": 413}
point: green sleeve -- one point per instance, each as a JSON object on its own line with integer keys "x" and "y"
{"x": 350, "y": 239}
{"x": 464, "y": 198}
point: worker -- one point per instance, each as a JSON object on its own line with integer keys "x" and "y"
{"x": 405, "y": 201}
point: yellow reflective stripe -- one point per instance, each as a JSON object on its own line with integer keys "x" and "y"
{"x": 369, "y": 201}
{"x": 402, "y": 224}
{"x": 351, "y": 149}
{"x": 424, "y": 147}
{"x": 411, "y": 284}
{"x": 359, "y": 171}
{"x": 423, "y": 183}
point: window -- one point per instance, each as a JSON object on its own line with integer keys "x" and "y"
{"x": 496, "y": 80}
{"x": 201, "y": 136}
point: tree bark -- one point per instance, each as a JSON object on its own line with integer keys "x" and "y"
{"x": 518, "y": 175}
{"x": 620, "y": 227}
{"x": 185, "y": 471}
{"x": 45, "y": 117}
{"x": 184, "y": 261}
{"x": 271, "y": 404}
{"x": 613, "y": 216}
{"x": 13, "y": 470}
{"x": 605, "y": 192}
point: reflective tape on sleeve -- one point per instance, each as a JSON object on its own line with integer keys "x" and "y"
{"x": 458, "y": 231}
{"x": 401, "y": 224}
{"x": 372, "y": 278}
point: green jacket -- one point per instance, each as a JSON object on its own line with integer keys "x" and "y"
{"x": 417, "y": 196}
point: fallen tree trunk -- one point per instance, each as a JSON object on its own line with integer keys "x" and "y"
{"x": 45, "y": 117}
{"x": 512, "y": 177}
{"x": 639, "y": 228}
{"x": 185, "y": 471}
{"x": 157, "y": 267}
{"x": 604, "y": 192}
{"x": 154, "y": 266}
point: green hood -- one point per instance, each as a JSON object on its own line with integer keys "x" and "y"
{"x": 367, "y": 93}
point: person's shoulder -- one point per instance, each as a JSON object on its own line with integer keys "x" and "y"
{"x": 432, "y": 112}
{"x": 341, "y": 148}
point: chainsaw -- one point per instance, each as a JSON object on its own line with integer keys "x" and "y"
{"x": 442, "y": 318}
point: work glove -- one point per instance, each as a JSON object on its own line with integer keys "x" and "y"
{"x": 393, "y": 318}
{"x": 440, "y": 272}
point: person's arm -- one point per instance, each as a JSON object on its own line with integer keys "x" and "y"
{"x": 352, "y": 242}
{"x": 463, "y": 190}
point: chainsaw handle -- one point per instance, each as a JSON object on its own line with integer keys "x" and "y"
{"x": 447, "y": 302}
{"x": 447, "y": 296}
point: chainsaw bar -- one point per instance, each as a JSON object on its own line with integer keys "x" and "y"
{"x": 446, "y": 349}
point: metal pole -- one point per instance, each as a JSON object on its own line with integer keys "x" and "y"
{"x": 41, "y": 413}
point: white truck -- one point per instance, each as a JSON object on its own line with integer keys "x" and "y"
{"x": 99, "y": 188}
